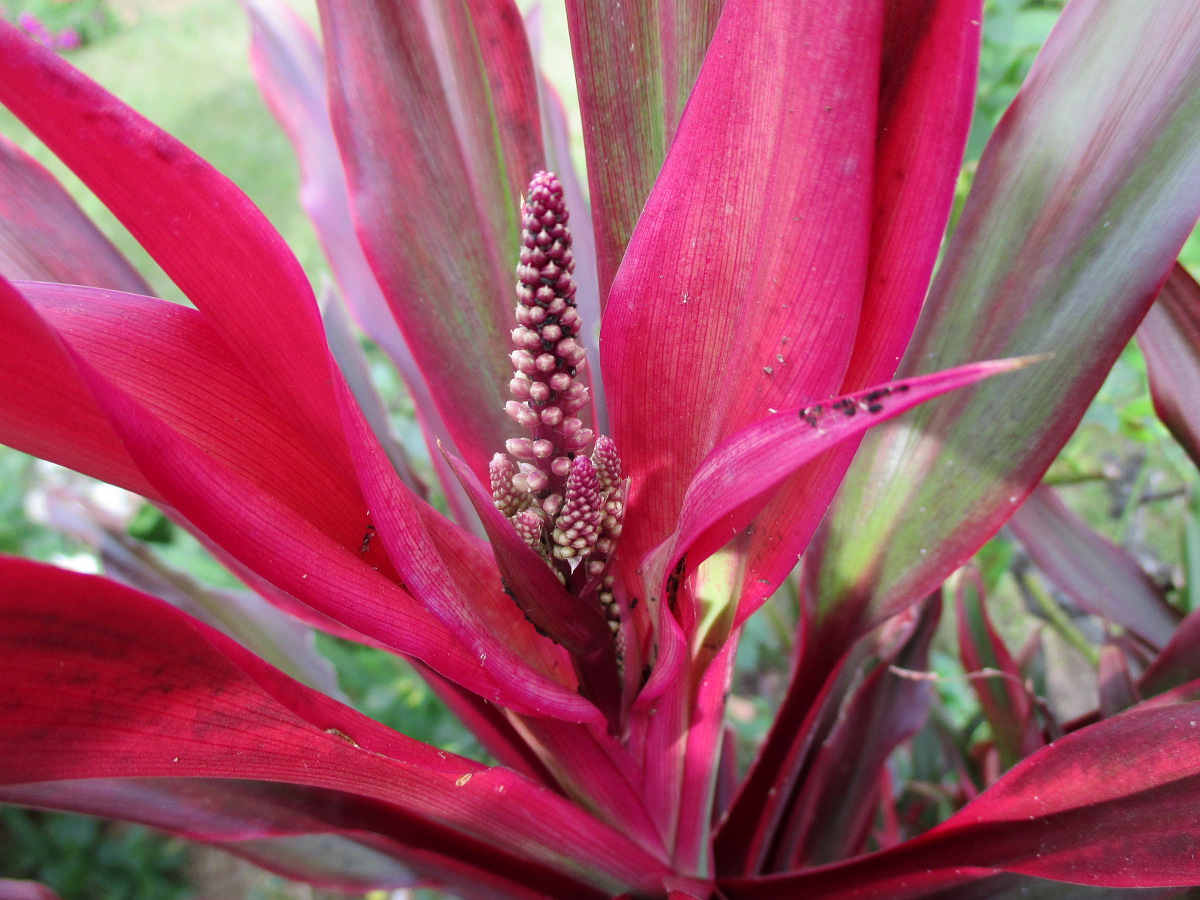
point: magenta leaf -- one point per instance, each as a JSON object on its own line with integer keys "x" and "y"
{"x": 12, "y": 889}
{"x": 352, "y": 360}
{"x": 205, "y": 233}
{"x": 926, "y": 88}
{"x": 290, "y": 69}
{"x": 748, "y": 297}
{"x": 1148, "y": 762}
{"x": 720, "y": 499}
{"x": 598, "y": 774}
{"x": 583, "y": 237}
{"x": 455, "y": 577}
{"x": 964, "y": 883}
{"x": 255, "y": 526}
{"x": 248, "y": 618}
{"x": 1093, "y": 571}
{"x": 192, "y": 417}
{"x": 170, "y": 358}
{"x": 48, "y": 410}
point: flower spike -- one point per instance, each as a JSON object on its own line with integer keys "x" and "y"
{"x": 547, "y": 393}
{"x": 566, "y": 505}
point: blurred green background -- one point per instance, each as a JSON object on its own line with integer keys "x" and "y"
{"x": 184, "y": 64}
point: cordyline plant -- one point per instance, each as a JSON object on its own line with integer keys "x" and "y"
{"x": 769, "y": 186}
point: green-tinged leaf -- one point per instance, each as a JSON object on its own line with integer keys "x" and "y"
{"x": 45, "y": 236}
{"x": 997, "y": 679}
{"x": 435, "y": 185}
{"x": 834, "y": 808}
{"x": 1117, "y": 690}
{"x": 258, "y": 820}
{"x": 635, "y": 64}
{"x": 1099, "y": 575}
{"x": 1177, "y": 663}
{"x": 1088, "y": 188}
{"x": 1169, "y": 337}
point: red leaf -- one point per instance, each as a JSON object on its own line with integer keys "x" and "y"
{"x": 177, "y": 367}
{"x": 455, "y": 578}
{"x": 293, "y": 554}
{"x": 290, "y": 69}
{"x": 1117, "y": 690}
{"x": 1078, "y": 209}
{"x": 257, "y": 819}
{"x": 104, "y": 682}
{"x": 721, "y": 498}
{"x": 11, "y": 889}
{"x": 927, "y": 92}
{"x": 1116, "y": 804}
{"x": 926, "y": 88}
{"x": 748, "y": 296}
{"x": 1178, "y": 662}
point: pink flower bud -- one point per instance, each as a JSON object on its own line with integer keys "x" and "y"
{"x": 521, "y": 414}
{"x": 519, "y": 387}
{"x": 521, "y": 448}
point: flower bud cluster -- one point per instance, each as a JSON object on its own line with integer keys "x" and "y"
{"x": 564, "y": 504}
{"x": 548, "y": 393}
